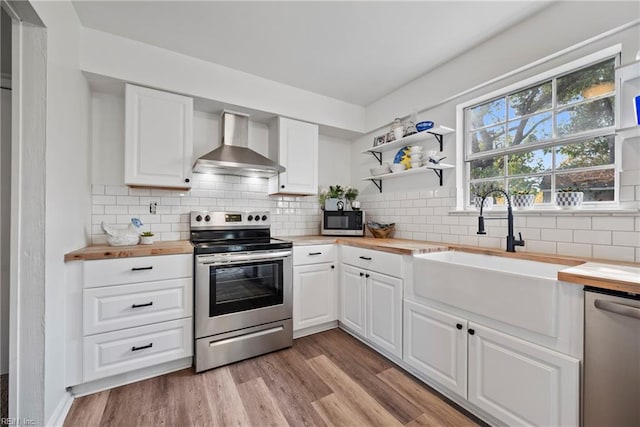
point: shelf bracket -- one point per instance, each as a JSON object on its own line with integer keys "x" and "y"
{"x": 439, "y": 173}
{"x": 377, "y": 183}
{"x": 378, "y": 156}
{"x": 438, "y": 138}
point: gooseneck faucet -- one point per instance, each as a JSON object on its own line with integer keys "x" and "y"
{"x": 512, "y": 242}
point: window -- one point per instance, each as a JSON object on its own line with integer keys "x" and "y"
{"x": 555, "y": 133}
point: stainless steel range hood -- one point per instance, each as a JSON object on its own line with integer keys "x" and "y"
{"x": 233, "y": 156}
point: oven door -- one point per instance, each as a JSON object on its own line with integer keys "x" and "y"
{"x": 240, "y": 290}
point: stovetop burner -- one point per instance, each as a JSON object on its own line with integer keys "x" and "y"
{"x": 221, "y": 232}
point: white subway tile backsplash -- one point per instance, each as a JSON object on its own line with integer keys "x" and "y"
{"x": 116, "y": 209}
{"x": 97, "y": 189}
{"x": 626, "y": 238}
{"x": 612, "y": 223}
{"x": 592, "y": 236}
{"x": 574, "y": 249}
{"x": 614, "y": 252}
{"x": 103, "y": 200}
{"x": 116, "y": 190}
{"x": 541, "y": 247}
{"x": 127, "y": 200}
{"x": 541, "y": 222}
{"x": 574, "y": 222}
{"x": 558, "y": 235}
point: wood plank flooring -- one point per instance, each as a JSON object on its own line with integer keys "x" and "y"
{"x": 327, "y": 379}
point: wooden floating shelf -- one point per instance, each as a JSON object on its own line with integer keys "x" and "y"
{"x": 435, "y": 132}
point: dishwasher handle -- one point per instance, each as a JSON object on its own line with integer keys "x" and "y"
{"x": 614, "y": 307}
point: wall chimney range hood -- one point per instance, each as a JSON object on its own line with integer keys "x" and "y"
{"x": 233, "y": 156}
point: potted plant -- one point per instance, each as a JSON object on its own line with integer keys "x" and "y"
{"x": 146, "y": 238}
{"x": 569, "y": 198}
{"x": 479, "y": 190}
{"x": 351, "y": 194}
{"x": 336, "y": 197}
{"x": 524, "y": 199}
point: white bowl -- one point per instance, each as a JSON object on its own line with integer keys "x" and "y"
{"x": 380, "y": 170}
{"x": 416, "y": 164}
{"x": 431, "y": 153}
{"x": 398, "y": 167}
{"x": 416, "y": 156}
{"x": 415, "y": 149}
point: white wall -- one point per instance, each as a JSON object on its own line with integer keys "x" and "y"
{"x": 334, "y": 161}
{"x": 422, "y": 209}
{"x": 68, "y": 190}
{"x": 135, "y": 62}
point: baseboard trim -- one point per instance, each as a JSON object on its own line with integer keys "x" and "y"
{"x": 131, "y": 377}
{"x": 60, "y": 413}
{"x": 315, "y": 329}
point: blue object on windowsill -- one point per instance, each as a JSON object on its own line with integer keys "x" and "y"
{"x": 636, "y": 103}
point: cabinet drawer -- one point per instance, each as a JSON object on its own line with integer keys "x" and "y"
{"x": 106, "y": 272}
{"x": 382, "y": 262}
{"x": 117, "y": 307}
{"x": 314, "y": 254}
{"x": 122, "y": 351}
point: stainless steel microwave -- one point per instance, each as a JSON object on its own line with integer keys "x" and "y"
{"x": 342, "y": 223}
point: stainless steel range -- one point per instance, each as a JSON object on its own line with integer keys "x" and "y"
{"x": 243, "y": 287}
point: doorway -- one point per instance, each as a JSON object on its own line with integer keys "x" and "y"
{"x": 5, "y": 205}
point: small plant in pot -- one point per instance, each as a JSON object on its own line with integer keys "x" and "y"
{"x": 336, "y": 196}
{"x": 524, "y": 199}
{"x": 569, "y": 198}
{"x": 480, "y": 190}
{"x": 146, "y": 238}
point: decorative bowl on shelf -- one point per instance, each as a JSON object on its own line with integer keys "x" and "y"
{"x": 422, "y": 126}
{"x": 380, "y": 170}
{"x": 380, "y": 231}
{"x": 569, "y": 199}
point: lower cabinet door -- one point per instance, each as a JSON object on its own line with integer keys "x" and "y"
{"x": 352, "y": 299}
{"x": 384, "y": 312}
{"x": 122, "y": 351}
{"x": 314, "y": 295}
{"x": 435, "y": 343}
{"x": 522, "y": 383}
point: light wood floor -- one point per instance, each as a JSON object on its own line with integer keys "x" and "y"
{"x": 323, "y": 380}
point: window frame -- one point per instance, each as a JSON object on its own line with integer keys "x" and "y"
{"x": 463, "y": 154}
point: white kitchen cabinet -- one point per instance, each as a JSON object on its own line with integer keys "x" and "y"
{"x": 371, "y": 302}
{"x": 522, "y": 383}
{"x": 314, "y": 295}
{"x": 353, "y": 299}
{"x": 295, "y": 145}
{"x": 158, "y": 138}
{"x": 435, "y": 343}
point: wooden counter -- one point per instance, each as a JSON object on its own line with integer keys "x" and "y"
{"x": 604, "y": 276}
{"x": 396, "y": 246}
{"x": 106, "y": 251}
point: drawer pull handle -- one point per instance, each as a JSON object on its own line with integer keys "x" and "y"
{"x": 142, "y": 305}
{"x": 142, "y": 268}
{"x": 142, "y": 347}
{"x": 366, "y": 258}
{"x": 315, "y": 253}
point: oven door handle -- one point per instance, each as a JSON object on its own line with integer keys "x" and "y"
{"x": 226, "y": 259}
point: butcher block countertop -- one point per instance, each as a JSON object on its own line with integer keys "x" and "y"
{"x": 105, "y": 251}
{"x": 604, "y": 276}
{"x": 396, "y": 246}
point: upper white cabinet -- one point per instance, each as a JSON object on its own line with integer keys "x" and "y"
{"x": 295, "y": 146}
{"x": 158, "y": 138}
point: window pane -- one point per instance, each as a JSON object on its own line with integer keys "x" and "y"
{"x": 487, "y": 114}
{"x": 597, "y": 185}
{"x": 488, "y": 139}
{"x": 530, "y": 100}
{"x": 587, "y": 116}
{"x": 483, "y": 187}
{"x": 531, "y": 129}
{"x": 587, "y": 83}
{"x": 530, "y": 162}
{"x": 487, "y": 168}
{"x": 541, "y": 185}
{"x": 595, "y": 152}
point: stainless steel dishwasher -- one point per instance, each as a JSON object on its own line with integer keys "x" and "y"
{"x": 611, "y": 359}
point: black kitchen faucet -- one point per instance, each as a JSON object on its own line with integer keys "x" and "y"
{"x": 511, "y": 240}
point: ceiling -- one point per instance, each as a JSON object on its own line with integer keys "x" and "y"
{"x": 357, "y": 52}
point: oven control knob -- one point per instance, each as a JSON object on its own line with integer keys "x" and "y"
{"x": 199, "y": 218}
{"x": 250, "y": 218}
{"x": 257, "y": 218}
{"x": 264, "y": 217}
{"x": 207, "y": 218}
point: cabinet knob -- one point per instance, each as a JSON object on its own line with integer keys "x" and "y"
{"x": 366, "y": 275}
{"x": 458, "y": 325}
{"x": 282, "y": 186}
{"x": 361, "y": 274}
{"x": 333, "y": 266}
{"x": 471, "y": 332}
{"x": 187, "y": 180}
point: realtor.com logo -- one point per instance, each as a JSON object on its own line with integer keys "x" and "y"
{"x": 17, "y": 422}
